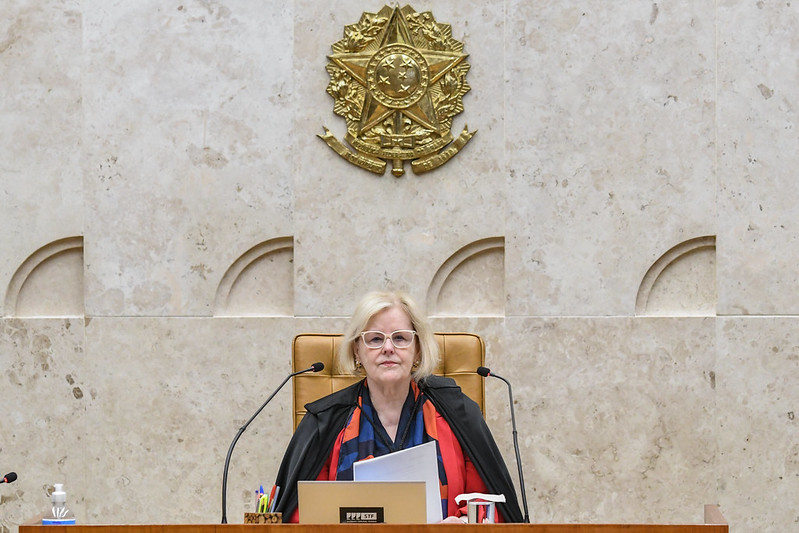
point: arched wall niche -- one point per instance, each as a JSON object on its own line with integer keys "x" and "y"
{"x": 471, "y": 282}
{"x": 260, "y": 282}
{"x": 49, "y": 283}
{"x": 682, "y": 282}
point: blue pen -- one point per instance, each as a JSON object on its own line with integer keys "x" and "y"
{"x": 258, "y": 495}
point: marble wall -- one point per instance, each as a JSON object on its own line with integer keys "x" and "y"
{"x": 622, "y": 231}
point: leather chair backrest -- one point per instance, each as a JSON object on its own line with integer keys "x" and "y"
{"x": 461, "y": 354}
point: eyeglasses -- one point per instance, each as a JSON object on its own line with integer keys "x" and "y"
{"x": 402, "y": 338}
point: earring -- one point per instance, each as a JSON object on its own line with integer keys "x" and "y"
{"x": 358, "y": 365}
{"x": 416, "y": 365}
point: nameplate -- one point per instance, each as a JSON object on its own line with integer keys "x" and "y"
{"x": 361, "y": 515}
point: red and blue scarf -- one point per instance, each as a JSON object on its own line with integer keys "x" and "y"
{"x": 364, "y": 436}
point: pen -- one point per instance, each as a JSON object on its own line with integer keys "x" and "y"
{"x": 274, "y": 499}
{"x": 258, "y": 495}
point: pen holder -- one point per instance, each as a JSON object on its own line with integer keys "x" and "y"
{"x": 263, "y": 518}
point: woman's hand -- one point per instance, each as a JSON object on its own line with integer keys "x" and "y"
{"x": 454, "y": 520}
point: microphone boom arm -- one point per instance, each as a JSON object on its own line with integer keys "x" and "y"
{"x": 316, "y": 367}
{"x": 483, "y": 371}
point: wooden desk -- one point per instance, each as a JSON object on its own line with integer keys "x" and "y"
{"x": 714, "y": 523}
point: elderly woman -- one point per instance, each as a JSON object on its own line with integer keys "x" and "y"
{"x": 399, "y": 404}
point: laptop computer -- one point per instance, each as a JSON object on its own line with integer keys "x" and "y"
{"x": 377, "y": 502}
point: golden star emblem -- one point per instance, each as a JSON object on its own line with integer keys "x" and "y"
{"x": 398, "y": 78}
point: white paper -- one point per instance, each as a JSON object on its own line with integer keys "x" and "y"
{"x": 419, "y": 463}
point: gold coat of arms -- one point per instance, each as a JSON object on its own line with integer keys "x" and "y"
{"x": 397, "y": 78}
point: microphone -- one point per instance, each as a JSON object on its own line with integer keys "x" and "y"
{"x": 9, "y": 478}
{"x": 485, "y": 372}
{"x": 316, "y": 367}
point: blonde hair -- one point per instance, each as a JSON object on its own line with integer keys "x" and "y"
{"x": 373, "y": 303}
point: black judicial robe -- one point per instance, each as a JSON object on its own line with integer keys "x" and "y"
{"x": 316, "y": 434}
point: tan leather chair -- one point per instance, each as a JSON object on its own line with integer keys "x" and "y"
{"x": 461, "y": 354}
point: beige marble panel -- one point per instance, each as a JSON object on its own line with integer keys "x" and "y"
{"x": 49, "y": 283}
{"x": 758, "y": 89}
{"x": 682, "y": 282}
{"x": 45, "y": 395}
{"x": 610, "y": 145}
{"x": 55, "y": 288}
{"x": 170, "y": 395}
{"x": 471, "y": 282}
{"x": 616, "y": 416}
{"x": 40, "y": 130}
{"x": 687, "y": 287}
{"x": 186, "y": 155}
{"x": 356, "y": 230}
{"x": 260, "y": 282}
{"x": 758, "y": 430}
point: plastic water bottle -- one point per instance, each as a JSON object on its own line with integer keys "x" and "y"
{"x": 59, "y": 515}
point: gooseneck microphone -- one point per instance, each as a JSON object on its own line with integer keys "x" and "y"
{"x": 9, "y": 478}
{"x": 316, "y": 367}
{"x": 485, "y": 372}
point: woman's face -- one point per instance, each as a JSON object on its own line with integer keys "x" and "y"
{"x": 389, "y": 365}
